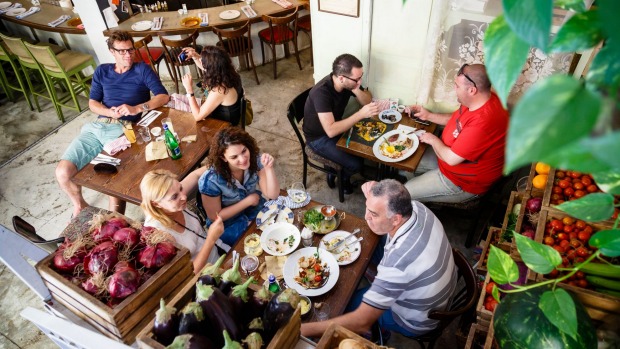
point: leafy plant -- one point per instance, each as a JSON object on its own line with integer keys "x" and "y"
{"x": 566, "y": 122}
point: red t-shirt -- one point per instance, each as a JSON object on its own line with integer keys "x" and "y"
{"x": 480, "y": 138}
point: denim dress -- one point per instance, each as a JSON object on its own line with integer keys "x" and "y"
{"x": 213, "y": 184}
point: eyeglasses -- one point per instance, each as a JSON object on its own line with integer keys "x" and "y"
{"x": 354, "y": 80}
{"x": 123, "y": 52}
{"x": 462, "y": 72}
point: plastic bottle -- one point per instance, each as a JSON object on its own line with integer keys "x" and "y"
{"x": 273, "y": 284}
{"x": 172, "y": 145}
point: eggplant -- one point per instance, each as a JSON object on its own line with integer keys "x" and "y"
{"x": 229, "y": 343}
{"x": 211, "y": 275}
{"x": 253, "y": 341}
{"x": 279, "y": 310}
{"x": 191, "y": 341}
{"x": 193, "y": 320}
{"x": 217, "y": 308}
{"x": 166, "y": 325}
{"x": 230, "y": 278}
{"x": 259, "y": 301}
{"x": 239, "y": 297}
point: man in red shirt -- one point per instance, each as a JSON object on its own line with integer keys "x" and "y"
{"x": 469, "y": 156}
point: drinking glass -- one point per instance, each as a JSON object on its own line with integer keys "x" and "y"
{"x": 251, "y": 245}
{"x": 306, "y": 237}
{"x": 297, "y": 192}
{"x": 321, "y": 310}
{"x": 249, "y": 264}
{"x": 144, "y": 133}
{"x": 128, "y": 131}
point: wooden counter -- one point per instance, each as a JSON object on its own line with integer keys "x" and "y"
{"x": 172, "y": 20}
{"x": 41, "y": 19}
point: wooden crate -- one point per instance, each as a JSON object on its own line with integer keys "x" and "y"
{"x": 529, "y": 187}
{"x": 285, "y": 338}
{"x": 483, "y": 316}
{"x": 477, "y": 336}
{"x": 523, "y": 216}
{"x": 125, "y": 320}
{"x": 492, "y": 235}
{"x": 336, "y": 334}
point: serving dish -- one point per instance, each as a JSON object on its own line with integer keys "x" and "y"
{"x": 270, "y": 214}
{"x": 291, "y": 269}
{"x": 402, "y": 134}
{"x": 349, "y": 254}
{"x": 190, "y": 21}
{"x": 326, "y": 226}
{"x": 390, "y": 116}
{"x": 280, "y": 239}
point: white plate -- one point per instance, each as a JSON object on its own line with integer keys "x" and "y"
{"x": 406, "y": 154}
{"x": 16, "y": 11}
{"x": 291, "y": 268}
{"x": 230, "y": 14}
{"x": 276, "y": 239}
{"x": 388, "y": 112}
{"x": 285, "y": 215}
{"x": 5, "y": 4}
{"x": 142, "y": 26}
{"x": 353, "y": 250}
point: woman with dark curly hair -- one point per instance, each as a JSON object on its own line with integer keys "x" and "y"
{"x": 221, "y": 83}
{"x": 236, "y": 180}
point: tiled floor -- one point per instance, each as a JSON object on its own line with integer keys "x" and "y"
{"x": 30, "y": 190}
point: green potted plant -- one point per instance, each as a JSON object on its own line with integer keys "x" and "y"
{"x": 568, "y": 123}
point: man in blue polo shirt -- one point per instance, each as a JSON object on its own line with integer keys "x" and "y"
{"x": 417, "y": 273}
{"x": 120, "y": 93}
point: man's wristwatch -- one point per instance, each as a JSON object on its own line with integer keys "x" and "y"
{"x": 145, "y": 107}
{"x": 190, "y": 94}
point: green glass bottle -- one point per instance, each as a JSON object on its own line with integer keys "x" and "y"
{"x": 174, "y": 150}
{"x": 273, "y": 284}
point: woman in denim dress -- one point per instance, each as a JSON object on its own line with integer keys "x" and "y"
{"x": 237, "y": 182}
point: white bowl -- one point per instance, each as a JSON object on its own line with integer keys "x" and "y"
{"x": 156, "y": 131}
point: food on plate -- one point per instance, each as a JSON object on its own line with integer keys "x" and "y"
{"x": 395, "y": 149}
{"x": 342, "y": 256}
{"x": 313, "y": 219}
{"x": 370, "y": 130}
{"x": 312, "y": 273}
{"x": 393, "y": 138}
{"x": 280, "y": 246}
{"x": 388, "y": 117}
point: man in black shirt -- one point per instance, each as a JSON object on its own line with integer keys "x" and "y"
{"x": 323, "y": 122}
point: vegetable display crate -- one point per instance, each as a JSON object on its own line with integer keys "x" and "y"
{"x": 529, "y": 188}
{"x": 523, "y": 218}
{"x": 483, "y": 316}
{"x": 285, "y": 338}
{"x": 478, "y": 338}
{"x": 125, "y": 320}
{"x": 547, "y": 202}
{"x": 493, "y": 238}
{"x": 335, "y": 334}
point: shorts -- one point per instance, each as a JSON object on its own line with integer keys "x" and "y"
{"x": 90, "y": 142}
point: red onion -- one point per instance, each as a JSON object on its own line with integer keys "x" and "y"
{"x": 108, "y": 228}
{"x": 146, "y": 231}
{"x": 156, "y": 256}
{"x": 101, "y": 258}
{"x": 127, "y": 236}
{"x": 533, "y": 205}
{"x": 529, "y": 234}
{"x": 90, "y": 287}
{"x": 124, "y": 282}
{"x": 68, "y": 256}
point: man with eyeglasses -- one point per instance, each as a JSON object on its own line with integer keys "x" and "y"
{"x": 469, "y": 156}
{"x": 323, "y": 114}
{"x": 120, "y": 93}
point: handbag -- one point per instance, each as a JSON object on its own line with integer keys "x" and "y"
{"x": 249, "y": 113}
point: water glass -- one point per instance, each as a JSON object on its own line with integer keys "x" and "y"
{"x": 297, "y": 192}
{"x": 144, "y": 133}
{"x": 249, "y": 264}
{"x": 321, "y": 311}
{"x": 307, "y": 237}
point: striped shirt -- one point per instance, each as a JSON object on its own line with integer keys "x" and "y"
{"x": 417, "y": 273}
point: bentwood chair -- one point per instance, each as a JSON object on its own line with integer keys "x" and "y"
{"x": 463, "y": 300}
{"x": 295, "y": 115}
{"x": 238, "y": 43}
{"x": 21, "y": 81}
{"x": 304, "y": 24}
{"x": 66, "y": 69}
{"x": 281, "y": 31}
{"x": 172, "y": 50}
{"x": 153, "y": 56}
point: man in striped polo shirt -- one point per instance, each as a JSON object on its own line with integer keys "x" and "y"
{"x": 416, "y": 274}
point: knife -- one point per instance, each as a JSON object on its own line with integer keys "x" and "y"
{"x": 270, "y": 215}
{"x": 349, "y": 136}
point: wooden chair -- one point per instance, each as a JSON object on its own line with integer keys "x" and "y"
{"x": 151, "y": 55}
{"x": 304, "y": 24}
{"x": 172, "y": 50}
{"x": 65, "y": 68}
{"x": 281, "y": 31}
{"x": 238, "y": 42}
{"x": 295, "y": 115}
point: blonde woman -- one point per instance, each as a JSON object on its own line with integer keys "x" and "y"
{"x": 164, "y": 202}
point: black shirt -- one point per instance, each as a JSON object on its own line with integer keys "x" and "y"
{"x": 323, "y": 98}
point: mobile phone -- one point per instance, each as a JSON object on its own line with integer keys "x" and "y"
{"x": 182, "y": 57}
{"x": 420, "y": 121}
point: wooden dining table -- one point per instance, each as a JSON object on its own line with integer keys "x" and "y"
{"x": 365, "y": 150}
{"x": 350, "y": 275}
{"x": 125, "y": 184}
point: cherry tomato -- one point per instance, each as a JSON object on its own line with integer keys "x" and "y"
{"x": 579, "y": 194}
{"x": 588, "y": 229}
{"x": 582, "y": 283}
{"x": 560, "y": 174}
{"x": 553, "y": 274}
{"x": 583, "y": 236}
{"x": 557, "y": 190}
{"x": 586, "y": 180}
{"x": 490, "y": 304}
{"x": 318, "y": 278}
{"x": 549, "y": 241}
{"x": 569, "y": 192}
{"x": 575, "y": 174}
{"x": 570, "y": 254}
{"x": 565, "y": 244}
{"x": 489, "y": 288}
{"x": 592, "y": 188}
{"x": 578, "y": 185}
{"x": 556, "y": 197}
{"x": 564, "y": 184}
{"x": 317, "y": 267}
{"x": 557, "y": 225}
{"x": 562, "y": 236}
{"x": 559, "y": 248}
{"x": 580, "y": 275}
{"x": 575, "y": 243}
{"x": 568, "y": 220}
{"x": 582, "y": 252}
{"x": 580, "y": 224}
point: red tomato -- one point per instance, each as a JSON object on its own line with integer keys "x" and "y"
{"x": 557, "y": 190}
{"x": 568, "y": 220}
{"x": 592, "y": 188}
{"x": 582, "y": 283}
{"x": 586, "y": 180}
{"x": 318, "y": 278}
{"x": 559, "y": 248}
{"x": 562, "y": 236}
{"x": 583, "y": 236}
{"x": 565, "y": 244}
{"x": 489, "y": 288}
{"x": 549, "y": 240}
{"x": 564, "y": 184}
{"x": 580, "y": 224}
{"x": 582, "y": 252}
{"x": 578, "y": 185}
{"x": 569, "y": 192}
{"x": 553, "y": 274}
{"x": 580, "y": 275}
{"x": 317, "y": 267}
{"x": 579, "y": 194}
{"x": 490, "y": 303}
{"x": 575, "y": 243}
{"x": 560, "y": 174}
{"x": 575, "y": 174}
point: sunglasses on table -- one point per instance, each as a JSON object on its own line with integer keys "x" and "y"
{"x": 462, "y": 72}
